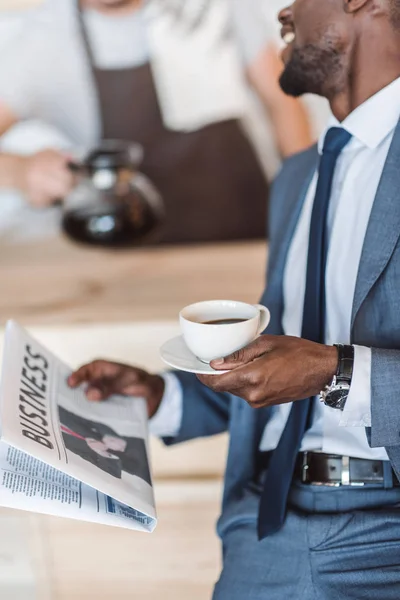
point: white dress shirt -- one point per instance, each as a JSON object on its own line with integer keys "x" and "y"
{"x": 357, "y": 174}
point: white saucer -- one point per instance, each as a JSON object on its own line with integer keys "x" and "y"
{"x": 176, "y": 354}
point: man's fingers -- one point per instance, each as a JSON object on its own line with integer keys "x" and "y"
{"x": 105, "y": 378}
{"x": 209, "y": 381}
{"x": 90, "y": 372}
{"x": 102, "y": 391}
{"x": 243, "y": 356}
{"x": 138, "y": 390}
{"x": 79, "y": 376}
{"x": 231, "y": 381}
{"x": 94, "y": 394}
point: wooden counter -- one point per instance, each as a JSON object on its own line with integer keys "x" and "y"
{"x": 58, "y": 282}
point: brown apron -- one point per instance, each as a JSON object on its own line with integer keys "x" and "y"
{"x": 211, "y": 181}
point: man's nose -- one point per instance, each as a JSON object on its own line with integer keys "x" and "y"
{"x": 285, "y": 16}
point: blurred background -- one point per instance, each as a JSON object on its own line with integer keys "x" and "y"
{"x": 138, "y": 142}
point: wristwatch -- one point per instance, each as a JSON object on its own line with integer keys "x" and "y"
{"x": 335, "y": 394}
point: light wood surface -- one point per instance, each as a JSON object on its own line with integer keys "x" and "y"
{"x": 57, "y": 282}
{"x": 84, "y": 303}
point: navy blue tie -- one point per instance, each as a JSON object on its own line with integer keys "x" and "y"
{"x": 282, "y": 463}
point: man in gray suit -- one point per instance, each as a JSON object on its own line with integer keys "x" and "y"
{"x": 311, "y": 506}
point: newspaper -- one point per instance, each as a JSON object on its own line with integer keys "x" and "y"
{"x": 63, "y": 455}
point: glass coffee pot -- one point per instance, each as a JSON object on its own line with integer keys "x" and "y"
{"x": 112, "y": 204}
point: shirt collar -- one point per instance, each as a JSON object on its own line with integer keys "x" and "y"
{"x": 373, "y": 120}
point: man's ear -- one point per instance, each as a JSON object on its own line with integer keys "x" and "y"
{"x": 376, "y": 7}
{"x": 352, "y": 6}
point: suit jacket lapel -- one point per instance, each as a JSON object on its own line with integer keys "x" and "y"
{"x": 383, "y": 228}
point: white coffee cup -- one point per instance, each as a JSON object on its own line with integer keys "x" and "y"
{"x": 207, "y": 340}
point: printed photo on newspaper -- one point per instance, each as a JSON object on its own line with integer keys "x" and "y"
{"x": 63, "y": 455}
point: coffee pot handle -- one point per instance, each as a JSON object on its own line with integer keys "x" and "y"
{"x": 265, "y": 317}
{"x": 75, "y": 167}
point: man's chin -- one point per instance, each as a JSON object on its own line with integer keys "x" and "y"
{"x": 302, "y": 75}
{"x": 291, "y": 83}
{"x": 313, "y": 70}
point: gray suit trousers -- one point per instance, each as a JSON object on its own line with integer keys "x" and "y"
{"x": 336, "y": 544}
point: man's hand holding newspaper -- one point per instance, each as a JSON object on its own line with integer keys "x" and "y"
{"x": 65, "y": 455}
{"x": 105, "y": 379}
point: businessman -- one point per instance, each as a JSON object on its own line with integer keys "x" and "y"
{"x": 311, "y": 506}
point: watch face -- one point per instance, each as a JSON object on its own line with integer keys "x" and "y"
{"x": 337, "y": 397}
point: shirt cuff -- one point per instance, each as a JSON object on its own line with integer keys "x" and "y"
{"x": 357, "y": 410}
{"x": 168, "y": 418}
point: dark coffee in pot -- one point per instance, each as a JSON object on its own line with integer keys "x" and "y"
{"x": 126, "y": 222}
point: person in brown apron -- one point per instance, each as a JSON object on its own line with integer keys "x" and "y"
{"x": 210, "y": 180}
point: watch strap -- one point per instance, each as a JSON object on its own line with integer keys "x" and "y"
{"x": 345, "y": 363}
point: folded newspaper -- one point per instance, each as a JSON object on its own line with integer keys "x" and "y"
{"x": 63, "y": 455}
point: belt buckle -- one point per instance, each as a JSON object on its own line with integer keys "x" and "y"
{"x": 304, "y": 474}
{"x": 346, "y": 474}
{"x": 345, "y": 477}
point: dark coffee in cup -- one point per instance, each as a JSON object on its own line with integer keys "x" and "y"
{"x": 224, "y": 321}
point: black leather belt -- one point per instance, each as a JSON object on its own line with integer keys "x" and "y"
{"x": 316, "y": 468}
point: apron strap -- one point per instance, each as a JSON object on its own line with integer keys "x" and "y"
{"x": 84, "y": 35}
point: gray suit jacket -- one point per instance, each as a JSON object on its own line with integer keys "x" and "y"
{"x": 375, "y": 323}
